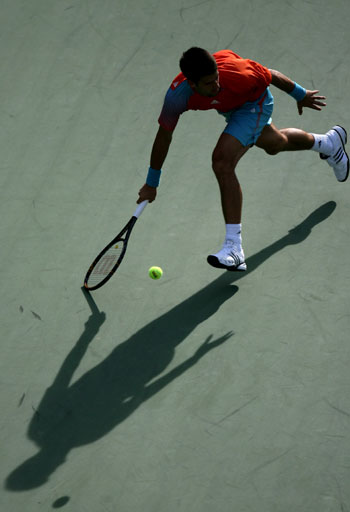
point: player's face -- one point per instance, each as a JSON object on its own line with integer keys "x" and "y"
{"x": 208, "y": 85}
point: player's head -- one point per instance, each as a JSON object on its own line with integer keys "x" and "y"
{"x": 200, "y": 69}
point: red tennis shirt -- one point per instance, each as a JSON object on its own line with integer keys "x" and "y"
{"x": 241, "y": 80}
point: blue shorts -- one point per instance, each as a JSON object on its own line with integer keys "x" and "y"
{"x": 247, "y": 122}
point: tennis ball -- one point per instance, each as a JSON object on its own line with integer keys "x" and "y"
{"x": 155, "y": 272}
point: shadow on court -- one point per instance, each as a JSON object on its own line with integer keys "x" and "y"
{"x": 83, "y": 412}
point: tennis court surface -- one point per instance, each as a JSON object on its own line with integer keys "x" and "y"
{"x": 206, "y": 390}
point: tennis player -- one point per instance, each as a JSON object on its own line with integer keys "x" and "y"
{"x": 239, "y": 90}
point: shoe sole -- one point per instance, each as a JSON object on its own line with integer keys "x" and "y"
{"x": 214, "y": 262}
{"x": 343, "y": 144}
{"x": 324, "y": 157}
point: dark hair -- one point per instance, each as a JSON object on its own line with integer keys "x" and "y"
{"x": 196, "y": 63}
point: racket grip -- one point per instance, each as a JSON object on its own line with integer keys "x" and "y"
{"x": 140, "y": 208}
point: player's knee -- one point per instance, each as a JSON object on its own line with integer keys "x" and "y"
{"x": 276, "y": 145}
{"x": 222, "y": 167}
{"x": 273, "y": 150}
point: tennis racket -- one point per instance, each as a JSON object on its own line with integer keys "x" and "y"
{"x": 109, "y": 259}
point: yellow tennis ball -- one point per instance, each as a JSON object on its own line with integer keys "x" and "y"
{"x": 155, "y": 272}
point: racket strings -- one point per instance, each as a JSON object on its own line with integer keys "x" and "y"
{"x": 104, "y": 266}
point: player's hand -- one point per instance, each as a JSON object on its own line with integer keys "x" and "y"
{"x": 311, "y": 101}
{"x": 147, "y": 193}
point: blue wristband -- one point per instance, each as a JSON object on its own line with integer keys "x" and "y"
{"x": 153, "y": 177}
{"x": 298, "y": 93}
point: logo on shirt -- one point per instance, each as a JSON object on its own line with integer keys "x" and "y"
{"x": 215, "y": 102}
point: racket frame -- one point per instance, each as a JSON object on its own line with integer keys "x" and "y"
{"x": 119, "y": 238}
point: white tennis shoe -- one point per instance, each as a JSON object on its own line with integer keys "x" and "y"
{"x": 229, "y": 257}
{"x": 339, "y": 159}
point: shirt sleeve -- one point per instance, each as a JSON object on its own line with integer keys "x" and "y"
{"x": 175, "y": 103}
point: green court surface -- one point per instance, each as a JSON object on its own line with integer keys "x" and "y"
{"x": 206, "y": 390}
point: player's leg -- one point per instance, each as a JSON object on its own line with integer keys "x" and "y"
{"x": 226, "y": 155}
{"x": 330, "y": 146}
{"x": 244, "y": 127}
{"x": 273, "y": 140}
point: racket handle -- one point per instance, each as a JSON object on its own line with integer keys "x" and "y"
{"x": 140, "y": 208}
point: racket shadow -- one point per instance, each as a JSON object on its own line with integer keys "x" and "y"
{"x": 74, "y": 414}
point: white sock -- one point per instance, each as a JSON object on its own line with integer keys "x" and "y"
{"x": 233, "y": 232}
{"x": 323, "y": 144}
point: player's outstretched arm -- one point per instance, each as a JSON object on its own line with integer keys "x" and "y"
{"x": 304, "y": 97}
{"x": 160, "y": 150}
{"x": 160, "y": 147}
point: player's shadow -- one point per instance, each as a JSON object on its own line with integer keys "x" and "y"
{"x": 294, "y": 236}
{"x": 75, "y": 414}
